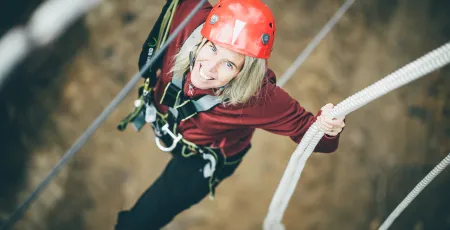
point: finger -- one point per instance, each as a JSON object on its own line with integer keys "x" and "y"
{"x": 328, "y": 106}
{"x": 337, "y": 130}
{"x": 333, "y": 132}
{"x": 324, "y": 124}
{"x": 324, "y": 128}
{"x": 326, "y": 109}
{"x": 331, "y": 122}
{"x": 319, "y": 124}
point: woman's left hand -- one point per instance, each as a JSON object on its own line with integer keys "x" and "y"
{"x": 331, "y": 127}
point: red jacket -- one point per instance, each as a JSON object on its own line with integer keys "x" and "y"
{"x": 231, "y": 127}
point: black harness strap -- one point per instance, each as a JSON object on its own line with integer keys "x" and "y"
{"x": 183, "y": 108}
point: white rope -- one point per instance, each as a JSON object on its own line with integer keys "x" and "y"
{"x": 313, "y": 44}
{"x": 47, "y": 22}
{"x": 14, "y": 47}
{"x": 413, "y": 194}
{"x": 414, "y": 70}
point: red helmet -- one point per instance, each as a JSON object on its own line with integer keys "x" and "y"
{"x": 244, "y": 26}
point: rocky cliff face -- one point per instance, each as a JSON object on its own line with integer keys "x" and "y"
{"x": 386, "y": 148}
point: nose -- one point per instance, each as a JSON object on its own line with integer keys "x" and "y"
{"x": 211, "y": 67}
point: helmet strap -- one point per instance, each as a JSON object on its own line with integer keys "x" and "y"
{"x": 193, "y": 53}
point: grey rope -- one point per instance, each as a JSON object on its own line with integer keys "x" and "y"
{"x": 412, "y": 195}
{"x": 18, "y": 213}
{"x": 313, "y": 44}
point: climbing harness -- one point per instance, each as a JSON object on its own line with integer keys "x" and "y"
{"x": 168, "y": 139}
{"x": 181, "y": 109}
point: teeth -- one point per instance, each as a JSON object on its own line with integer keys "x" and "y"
{"x": 203, "y": 75}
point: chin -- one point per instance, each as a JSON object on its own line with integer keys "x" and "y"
{"x": 199, "y": 85}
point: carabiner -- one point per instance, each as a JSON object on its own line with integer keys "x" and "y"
{"x": 176, "y": 139}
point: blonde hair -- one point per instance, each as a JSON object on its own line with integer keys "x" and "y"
{"x": 240, "y": 89}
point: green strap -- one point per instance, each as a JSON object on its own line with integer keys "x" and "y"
{"x": 166, "y": 23}
{"x": 123, "y": 124}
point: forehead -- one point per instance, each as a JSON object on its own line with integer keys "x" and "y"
{"x": 227, "y": 53}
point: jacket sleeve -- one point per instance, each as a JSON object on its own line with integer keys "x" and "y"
{"x": 279, "y": 113}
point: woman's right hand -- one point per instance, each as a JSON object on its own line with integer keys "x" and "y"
{"x": 331, "y": 127}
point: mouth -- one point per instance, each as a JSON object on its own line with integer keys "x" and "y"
{"x": 203, "y": 75}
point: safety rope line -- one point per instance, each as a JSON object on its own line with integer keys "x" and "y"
{"x": 47, "y": 22}
{"x": 413, "y": 194}
{"x": 18, "y": 213}
{"x": 414, "y": 70}
{"x": 313, "y": 44}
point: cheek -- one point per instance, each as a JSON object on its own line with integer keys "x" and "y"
{"x": 203, "y": 54}
{"x": 195, "y": 69}
{"x": 226, "y": 76}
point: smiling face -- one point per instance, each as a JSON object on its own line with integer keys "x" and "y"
{"x": 215, "y": 66}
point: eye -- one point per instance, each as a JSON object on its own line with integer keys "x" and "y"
{"x": 229, "y": 65}
{"x": 213, "y": 48}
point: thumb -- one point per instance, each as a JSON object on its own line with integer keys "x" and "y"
{"x": 328, "y": 106}
{"x": 326, "y": 109}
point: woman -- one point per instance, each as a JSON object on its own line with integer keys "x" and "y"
{"x": 210, "y": 97}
